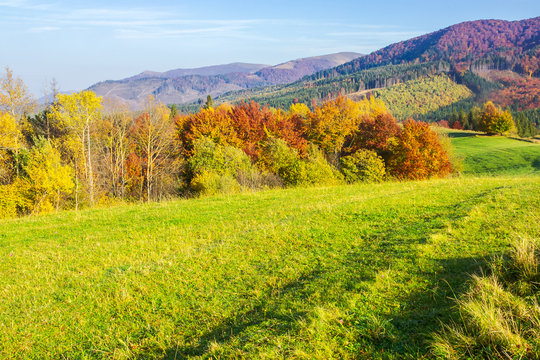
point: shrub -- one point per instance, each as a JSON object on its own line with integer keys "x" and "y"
{"x": 211, "y": 183}
{"x": 14, "y": 199}
{"x": 416, "y": 153}
{"x": 221, "y": 169}
{"x": 363, "y": 165}
{"x": 315, "y": 170}
{"x": 211, "y": 157}
{"x": 281, "y": 160}
{"x": 254, "y": 179}
{"x": 49, "y": 179}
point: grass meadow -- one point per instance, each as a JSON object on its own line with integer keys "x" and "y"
{"x": 495, "y": 155}
{"x": 357, "y": 271}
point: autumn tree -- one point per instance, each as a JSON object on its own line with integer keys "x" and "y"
{"x": 153, "y": 135}
{"x": 214, "y": 123}
{"x": 14, "y": 96}
{"x": 49, "y": 178}
{"x": 115, "y": 146}
{"x": 299, "y": 109}
{"x": 373, "y": 133}
{"x": 493, "y": 120}
{"x": 10, "y": 144}
{"x": 416, "y": 153}
{"x": 331, "y": 123}
{"x": 78, "y": 113}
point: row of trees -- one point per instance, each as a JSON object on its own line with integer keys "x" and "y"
{"x": 490, "y": 119}
{"x": 75, "y": 154}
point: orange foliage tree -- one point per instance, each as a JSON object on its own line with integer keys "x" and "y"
{"x": 213, "y": 123}
{"x": 373, "y": 133}
{"x": 416, "y": 153}
{"x": 245, "y": 126}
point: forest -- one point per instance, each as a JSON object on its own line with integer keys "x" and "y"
{"x": 75, "y": 154}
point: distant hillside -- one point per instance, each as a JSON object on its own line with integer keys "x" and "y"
{"x": 296, "y": 69}
{"x": 484, "y": 43}
{"x": 205, "y": 71}
{"x": 466, "y": 52}
{"x": 422, "y": 95}
{"x": 187, "y": 85}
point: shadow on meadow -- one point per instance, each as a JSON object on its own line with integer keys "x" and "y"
{"x": 461, "y": 134}
{"x": 406, "y": 334}
{"x": 268, "y": 311}
{"x": 411, "y": 328}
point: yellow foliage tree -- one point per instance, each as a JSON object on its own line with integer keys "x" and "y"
{"x": 330, "y": 124}
{"x": 48, "y": 178}
{"x": 494, "y": 120}
{"x": 77, "y": 113}
{"x": 14, "y": 96}
{"x": 10, "y": 142}
{"x": 300, "y": 109}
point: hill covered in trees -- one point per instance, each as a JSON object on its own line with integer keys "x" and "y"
{"x": 188, "y": 85}
{"x": 496, "y": 60}
{"x": 477, "y": 44}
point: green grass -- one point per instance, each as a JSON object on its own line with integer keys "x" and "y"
{"x": 495, "y": 155}
{"x": 362, "y": 271}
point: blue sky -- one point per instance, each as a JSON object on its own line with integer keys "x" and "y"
{"x": 80, "y": 43}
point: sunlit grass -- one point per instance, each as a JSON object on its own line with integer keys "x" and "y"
{"x": 495, "y": 154}
{"x": 363, "y": 271}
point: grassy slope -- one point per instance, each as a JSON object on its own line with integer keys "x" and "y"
{"x": 421, "y": 96}
{"x": 495, "y": 154}
{"x": 363, "y": 271}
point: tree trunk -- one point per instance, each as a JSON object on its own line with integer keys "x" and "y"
{"x": 90, "y": 173}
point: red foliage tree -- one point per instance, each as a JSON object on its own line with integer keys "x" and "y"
{"x": 457, "y": 125}
{"x": 373, "y": 133}
{"x": 416, "y": 153}
{"x": 443, "y": 123}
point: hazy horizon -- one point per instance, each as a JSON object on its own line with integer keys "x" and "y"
{"x": 80, "y": 44}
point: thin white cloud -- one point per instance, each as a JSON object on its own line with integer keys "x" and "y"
{"x": 43, "y": 29}
{"x": 169, "y": 33}
{"x": 378, "y": 34}
{"x": 24, "y": 5}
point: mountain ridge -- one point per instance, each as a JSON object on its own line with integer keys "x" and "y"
{"x": 186, "y": 85}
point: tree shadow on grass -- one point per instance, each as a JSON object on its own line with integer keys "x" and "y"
{"x": 268, "y": 311}
{"x": 279, "y": 310}
{"x": 461, "y": 134}
{"x": 412, "y": 327}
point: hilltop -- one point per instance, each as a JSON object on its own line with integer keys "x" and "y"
{"x": 494, "y": 59}
{"x": 478, "y": 44}
{"x": 187, "y": 85}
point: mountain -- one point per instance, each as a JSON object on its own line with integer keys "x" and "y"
{"x": 186, "y": 85}
{"x": 295, "y": 69}
{"x": 205, "y": 71}
{"x": 505, "y": 44}
{"x": 497, "y": 60}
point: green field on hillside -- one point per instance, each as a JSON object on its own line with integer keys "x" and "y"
{"x": 361, "y": 271}
{"x": 495, "y": 155}
{"x": 422, "y": 95}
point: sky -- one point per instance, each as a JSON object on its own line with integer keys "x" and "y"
{"x": 79, "y": 43}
